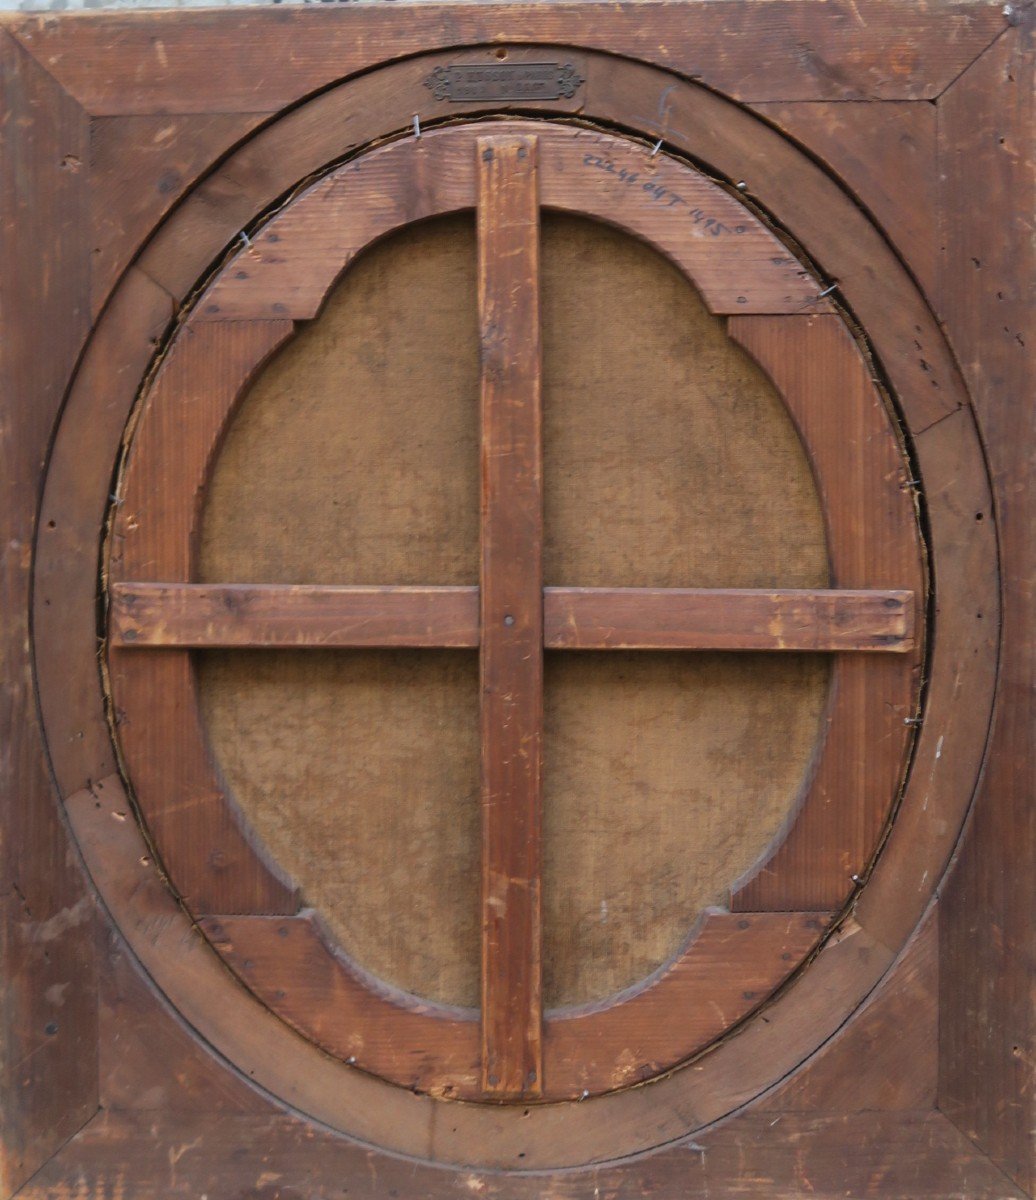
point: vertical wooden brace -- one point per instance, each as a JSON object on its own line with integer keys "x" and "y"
{"x": 511, "y": 614}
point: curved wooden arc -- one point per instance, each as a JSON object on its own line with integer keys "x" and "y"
{"x": 729, "y": 966}
{"x": 210, "y": 858}
{"x": 873, "y": 542}
{"x": 935, "y": 406}
{"x": 736, "y": 263}
{"x": 732, "y": 964}
{"x": 295, "y": 971}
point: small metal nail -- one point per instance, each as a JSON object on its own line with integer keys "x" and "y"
{"x": 657, "y": 147}
{"x": 417, "y": 126}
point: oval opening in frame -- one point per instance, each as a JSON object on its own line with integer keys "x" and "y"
{"x": 669, "y": 461}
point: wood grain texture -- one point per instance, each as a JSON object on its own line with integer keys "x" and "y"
{"x": 845, "y": 247}
{"x": 885, "y": 155}
{"x": 873, "y": 541}
{"x": 715, "y": 619}
{"x": 287, "y": 615}
{"x": 877, "y": 49}
{"x": 179, "y": 793}
{"x": 886, "y": 1056}
{"x": 327, "y": 128}
{"x": 737, "y": 264}
{"x": 48, "y": 1028}
{"x": 323, "y": 616}
{"x": 181, "y": 964}
{"x": 511, "y": 612}
{"x": 289, "y": 966}
{"x": 150, "y": 1060}
{"x": 966, "y": 615}
{"x": 187, "y": 408}
{"x": 869, "y": 1156}
{"x": 728, "y": 967}
{"x": 140, "y": 167}
{"x": 74, "y": 510}
{"x": 988, "y": 196}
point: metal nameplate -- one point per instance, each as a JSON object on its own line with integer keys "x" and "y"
{"x": 504, "y": 81}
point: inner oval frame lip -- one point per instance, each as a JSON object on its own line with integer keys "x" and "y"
{"x": 231, "y": 297}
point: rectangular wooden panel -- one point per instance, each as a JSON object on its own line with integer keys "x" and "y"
{"x": 511, "y": 614}
{"x": 693, "y": 619}
{"x": 48, "y": 1000}
{"x": 286, "y": 615}
{"x": 884, "y": 51}
{"x": 987, "y": 1025}
{"x": 828, "y": 387}
{"x": 322, "y": 617}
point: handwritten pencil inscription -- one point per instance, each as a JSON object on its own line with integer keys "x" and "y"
{"x": 660, "y": 194}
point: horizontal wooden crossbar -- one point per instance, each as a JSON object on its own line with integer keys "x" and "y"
{"x": 292, "y": 615}
{"x": 708, "y": 619}
{"x": 200, "y": 615}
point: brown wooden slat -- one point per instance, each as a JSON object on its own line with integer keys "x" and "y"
{"x": 987, "y": 190}
{"x": 873, "y": 543}
{"x": 240, "y": 615}
{"x": 48, "y": 999}
{"x": 299, "y": 615}
{"x": 511, "y": 613}
{"x": 741, "y": 619}
{"x": 884, "y": 51}
{"x": 178, "y": 787}
{"x": 918, "y": 1155}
